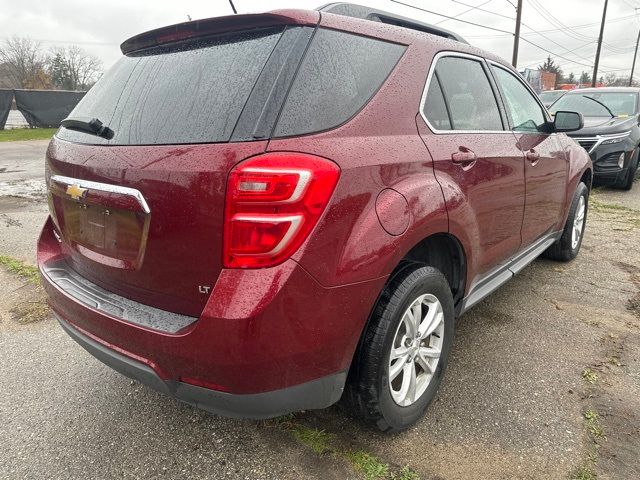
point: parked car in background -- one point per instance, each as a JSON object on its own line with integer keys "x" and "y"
{"x": 550, "y": 96}
{"x": 265, "y": 213}
{"x": 610, "y": 134}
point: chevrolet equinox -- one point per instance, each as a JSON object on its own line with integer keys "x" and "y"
{"x": 265, "y": 213}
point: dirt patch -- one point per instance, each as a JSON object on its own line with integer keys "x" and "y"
{"x": 23, "y": 300}
{"x": 633, "y": 304}
{"x": 31, "y": 311}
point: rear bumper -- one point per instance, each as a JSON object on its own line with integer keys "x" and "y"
{"x": 272, "y": 335}
{"x": 316, "y": 394}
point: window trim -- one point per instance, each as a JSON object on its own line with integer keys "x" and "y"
{"x": 516, "y": 75}
{"x": 490, "y": 79}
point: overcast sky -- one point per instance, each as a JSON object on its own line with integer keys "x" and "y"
{"x": 100, "y": 27}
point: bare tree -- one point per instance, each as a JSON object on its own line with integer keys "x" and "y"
{"x": 73, "y": 68}
{"x": 23, "y": 63}
{"x": 613, "y": 80}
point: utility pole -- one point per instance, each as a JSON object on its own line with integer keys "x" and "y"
{"x": 594, "y": 80}
{"x": 635, "y": 54}
{"x": 633, "y": 65}
{"x": 516, "y": 37}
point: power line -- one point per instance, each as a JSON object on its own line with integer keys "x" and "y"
{"x": 555, "y": 22}
{"x": 570, "y": 61}
{"x": 483, "y": 9}
{"x": 561, "y": 30}
{"x": 451, "y": 18}
{"x": 466, "y": 11}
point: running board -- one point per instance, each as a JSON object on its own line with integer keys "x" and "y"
{"x": 498, "y": 277}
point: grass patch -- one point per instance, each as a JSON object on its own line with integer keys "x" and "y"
{"x": 20, "y": 268}
{"x": 599, "y": 205}
{"x": 593, "y": 423}
{"x": 590, "y": 376}
{"x": 583, "y": 473}
{"x": 21, "y": 134}
{"x": 405, "y": 474}
{"x": 324, "y": 443}
{"x": 318, "y": 440}
{"x": 368, "y": 464}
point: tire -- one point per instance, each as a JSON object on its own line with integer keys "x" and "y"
{"x": 368, "y": 393}
{"x": 565, "y": 249}
{"x": 627, "y": 182}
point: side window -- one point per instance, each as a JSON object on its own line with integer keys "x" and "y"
{"x": 434, "y": 107}
{"x": 468, "y": 94}
{"x": 338, "y": 76}
{"x": 526, "y": 113}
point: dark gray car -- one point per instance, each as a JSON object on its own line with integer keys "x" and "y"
{"x": 611, "y": 132}
{"x": 550, "y": 96}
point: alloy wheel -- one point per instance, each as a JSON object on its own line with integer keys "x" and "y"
{"x": 416, "y": 349}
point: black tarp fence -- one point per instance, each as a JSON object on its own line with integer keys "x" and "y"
{"x": 6, "y": 97}
{"x": 46, "y": 108}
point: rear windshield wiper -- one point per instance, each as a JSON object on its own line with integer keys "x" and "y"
{"x": 89, "y": 125}
{"x": 600, "y": 103}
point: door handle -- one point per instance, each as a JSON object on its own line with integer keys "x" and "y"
{"x": 533, "y": 156}
{"x": 463, "y": 156}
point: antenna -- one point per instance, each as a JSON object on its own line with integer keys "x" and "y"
{"x": 233, "y": 6}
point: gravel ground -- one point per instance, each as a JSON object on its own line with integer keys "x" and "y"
{"x": 512, "y": 404}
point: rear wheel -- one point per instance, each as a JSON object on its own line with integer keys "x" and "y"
{"x": 403, "y": 354}
{"x": 568, "y": 245}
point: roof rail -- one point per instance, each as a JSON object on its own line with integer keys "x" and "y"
{"x": 368, "y": 13}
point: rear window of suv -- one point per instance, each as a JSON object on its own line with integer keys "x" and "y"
{"x": 193, "y": 93}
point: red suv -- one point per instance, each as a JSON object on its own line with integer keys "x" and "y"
{"x": 259, "y": 214}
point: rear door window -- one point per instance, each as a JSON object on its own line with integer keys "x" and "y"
{"x": 190, "y": 93}
{"x": 435, "y": 108}
{"x": 337, "y": 77}
{"x": 468, "y": 94}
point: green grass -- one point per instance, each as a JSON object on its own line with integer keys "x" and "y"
{"x": 583, "y": 473}
{"x": 590, "y": 376}
{"x": 593, "y": 423}
{"x": 368, "y": 464}
{"x": 324, "y": 443}
{"x": 18, "y": 134}
{"x": 405, "y": 474}
{"x": 20, "y": 268}
{"x": 318, "y": 440}
{"x": 597, "y": 204}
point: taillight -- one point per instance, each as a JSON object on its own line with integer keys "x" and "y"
{"x": 273, "y": 202}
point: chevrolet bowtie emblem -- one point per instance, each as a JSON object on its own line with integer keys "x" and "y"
{"x": 76, "y": 191}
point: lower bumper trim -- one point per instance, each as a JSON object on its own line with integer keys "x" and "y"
{"x": 316, "y": 394}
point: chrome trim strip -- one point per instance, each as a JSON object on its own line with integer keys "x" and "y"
{"x": 104, "y": 187}
{"x": 423, "y": 99}
{"x": 601, "y": 138}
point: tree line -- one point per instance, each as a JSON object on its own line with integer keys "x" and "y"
{"x": 611, "y": 79}
{"x": 25, "y": 64}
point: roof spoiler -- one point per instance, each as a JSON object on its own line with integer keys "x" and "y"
{"x": 367, "y": 13}
{"x": 215, "y": 25}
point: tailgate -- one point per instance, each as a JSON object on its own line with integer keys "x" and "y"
{"x": 144, "y": 222}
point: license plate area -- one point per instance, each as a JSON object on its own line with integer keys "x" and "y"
{"x": 106, "y": 229}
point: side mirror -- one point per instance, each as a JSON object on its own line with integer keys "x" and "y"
{"x": 567, "y": 121}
